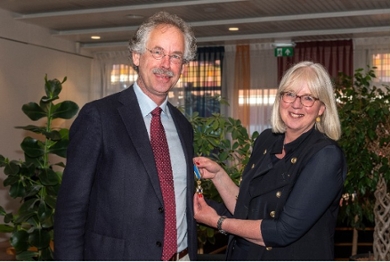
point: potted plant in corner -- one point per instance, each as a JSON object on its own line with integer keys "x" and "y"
{"x": 365, "y": 120}
{"x": 35, "y": 179}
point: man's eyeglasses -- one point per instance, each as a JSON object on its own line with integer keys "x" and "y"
{"x": 306, "y": 100}
{"x": 158, "y": 54}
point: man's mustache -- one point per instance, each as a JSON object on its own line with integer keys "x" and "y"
{"x": 162, "y": 71}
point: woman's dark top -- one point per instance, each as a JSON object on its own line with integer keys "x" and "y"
{"x": 297, "y": 197}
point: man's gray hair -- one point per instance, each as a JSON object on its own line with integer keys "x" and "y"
{"x": 138, "y": 43}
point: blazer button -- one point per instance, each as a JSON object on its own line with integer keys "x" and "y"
{"x": 268, "y": 248}
{"x": 158, "y": 243}
{"x": 278, "y": 194}
{"x": 272, "y": 214}
{"x": 161, "y": 209}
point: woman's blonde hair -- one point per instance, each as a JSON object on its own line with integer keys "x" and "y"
{"x": 320, "y": 85}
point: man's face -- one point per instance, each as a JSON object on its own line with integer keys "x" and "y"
{"x": 157, "y": 77}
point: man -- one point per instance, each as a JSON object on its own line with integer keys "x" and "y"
{"x": 111, "y": 202}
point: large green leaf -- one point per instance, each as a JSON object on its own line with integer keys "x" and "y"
{"x": 44, "y": 211}
{"x": 50, "y": 201}
{"x": 33, "y": 128}
{"x": 53, "y": 135}
{"x": 64, "y": 132}
{"x": 33, "y": 111}
{"x": 33, "y": 190}
{"x": 40, "y": 238}
{"x": 65, "y": 110}
{"x": 17, "y": 189}
{"x": 48, "y": 177}
{"x": 12, "y": 168}
{"x": 53, "y": 87}
{"x": 59, "y": 148}
{"x": 32, "y": 147}
{"x": 10, "y": 180}
{"x": 28, "y": 205}
{"x": 19, "y": 240}
{"x": 24, "y": 216}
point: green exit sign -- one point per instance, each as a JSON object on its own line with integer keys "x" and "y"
{"x": 284, "y": 51}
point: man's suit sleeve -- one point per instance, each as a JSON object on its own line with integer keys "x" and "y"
{"x": 72, "y": 202}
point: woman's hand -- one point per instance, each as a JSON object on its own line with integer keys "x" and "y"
{"x": 203, "y": 213}
{"x": 207, "y": 167}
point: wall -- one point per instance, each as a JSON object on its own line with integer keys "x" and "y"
{"x": 27, "y": 54}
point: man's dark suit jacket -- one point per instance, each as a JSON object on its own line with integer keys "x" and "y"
{"x": 110, "y": 205}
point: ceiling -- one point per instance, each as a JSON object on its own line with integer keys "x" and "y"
{"x": 258, "y": 20}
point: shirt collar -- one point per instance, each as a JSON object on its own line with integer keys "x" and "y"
{"x": 146, "y": 104}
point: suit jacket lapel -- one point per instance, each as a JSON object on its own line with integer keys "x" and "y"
{"x": 131, "y": 115}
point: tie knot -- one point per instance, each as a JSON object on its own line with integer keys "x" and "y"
{"x": 156, "y": 111}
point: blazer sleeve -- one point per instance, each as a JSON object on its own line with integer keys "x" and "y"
{"x": 72, "y": 202}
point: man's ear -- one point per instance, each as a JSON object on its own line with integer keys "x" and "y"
{"x": 136, "y": 57}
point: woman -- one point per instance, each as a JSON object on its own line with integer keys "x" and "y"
{"x": 287, "y": 203}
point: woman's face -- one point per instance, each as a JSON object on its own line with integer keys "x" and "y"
{"x": 298, "y": 118}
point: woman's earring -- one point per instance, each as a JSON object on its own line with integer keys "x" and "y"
{"x": 318, "y": 120}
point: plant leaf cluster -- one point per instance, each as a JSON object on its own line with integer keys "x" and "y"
{"x": 226, "y": 141}
{"x": 34, "y": 180}
{"x": 365, "y": 120}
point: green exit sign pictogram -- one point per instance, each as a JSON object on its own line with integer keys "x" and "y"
{"x": 284, "y": 51}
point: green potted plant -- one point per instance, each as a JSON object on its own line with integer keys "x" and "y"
{"x": 226, "y": 141}
{"x": 35, "y": 180}
{"x": 365, "y": 120}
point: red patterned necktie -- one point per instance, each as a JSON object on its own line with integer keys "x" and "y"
{"x": 160, "y": 148}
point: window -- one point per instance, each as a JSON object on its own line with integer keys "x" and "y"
{"x": 382, "y": 64}
{"x": 199, "y": 88}
{"x": 122, "y": 76}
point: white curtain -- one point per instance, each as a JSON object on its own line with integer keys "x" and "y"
{"x": 228, "y": 79}
{"x": 105, "y": 80}
{"x": 263, "y": 85}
